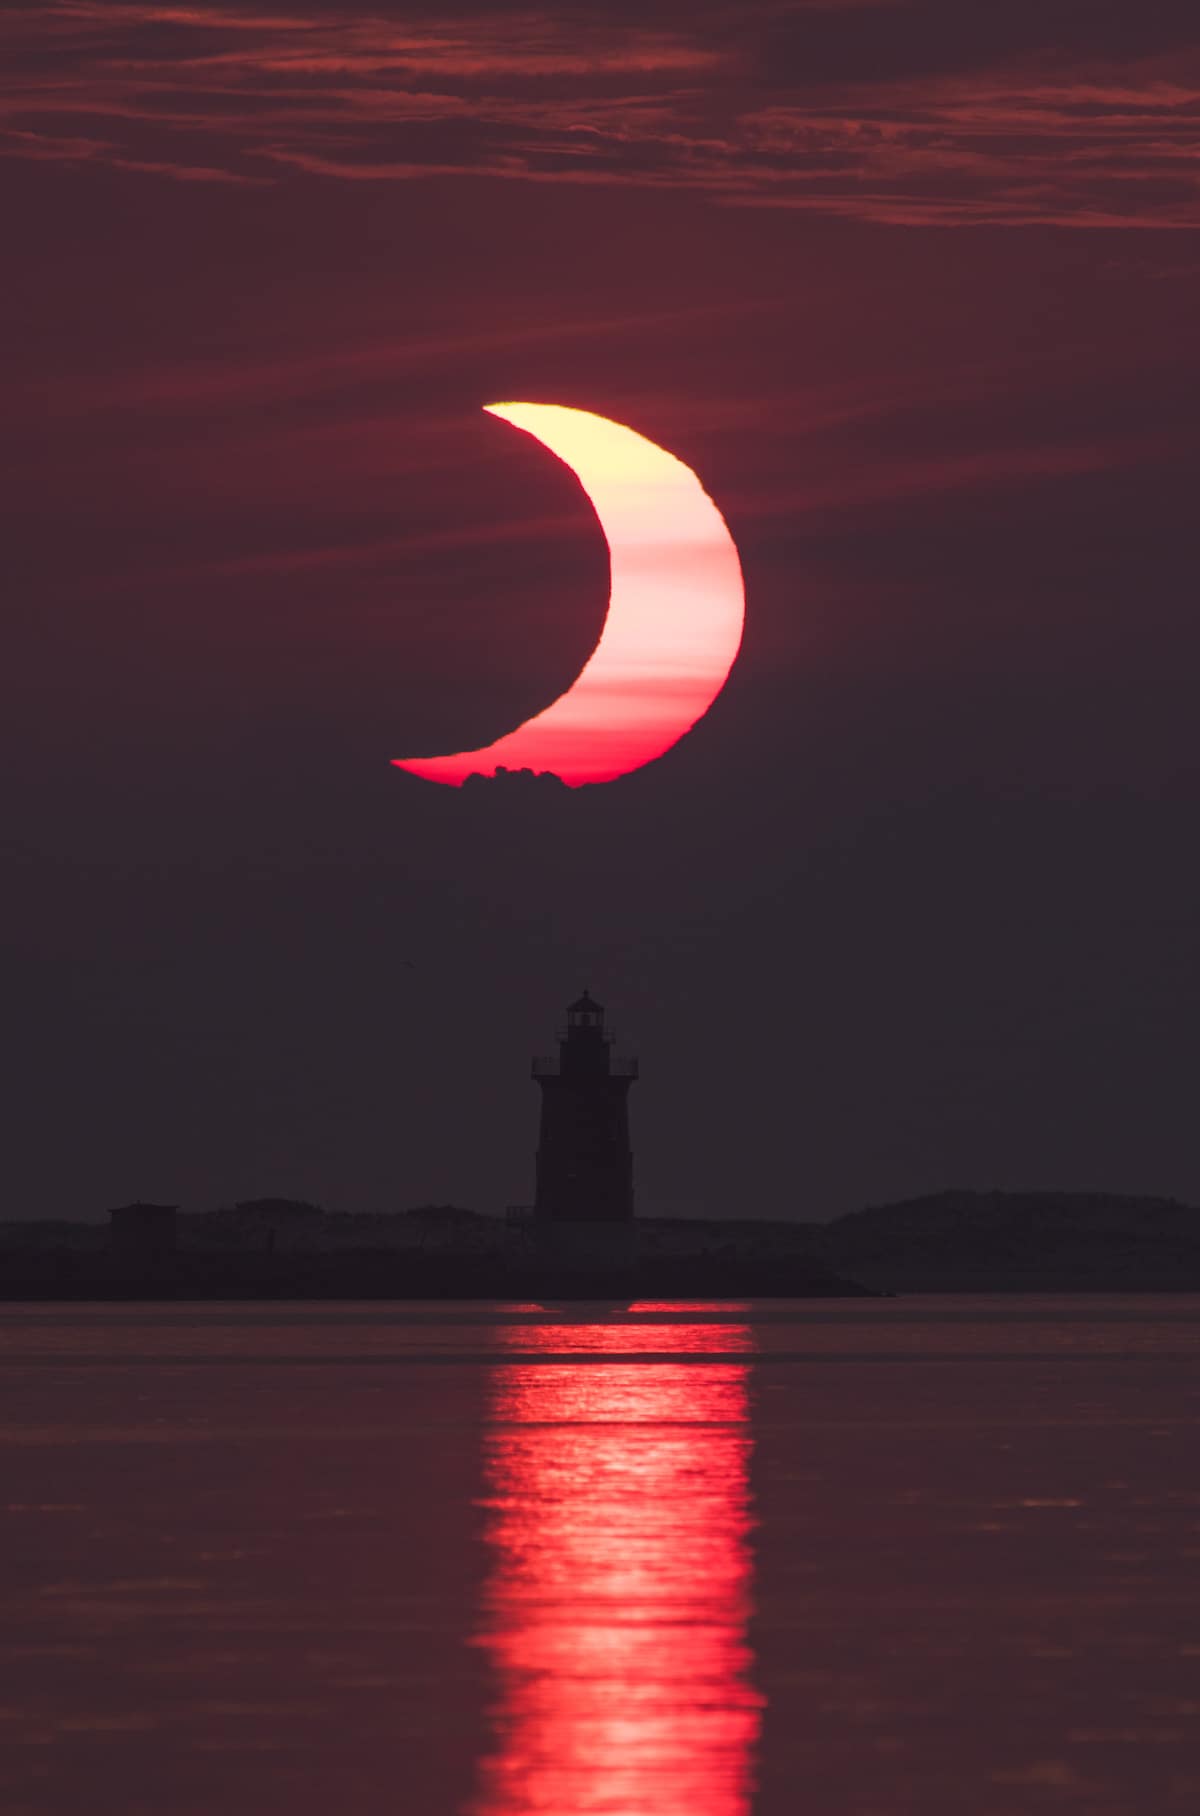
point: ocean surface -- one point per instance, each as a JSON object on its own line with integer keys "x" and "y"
{"x": 790, "y": 1558}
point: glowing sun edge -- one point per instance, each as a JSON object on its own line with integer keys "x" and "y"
{"x": 675, "y": 614}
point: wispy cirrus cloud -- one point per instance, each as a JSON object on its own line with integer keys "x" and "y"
{"x": 829, "y": 108}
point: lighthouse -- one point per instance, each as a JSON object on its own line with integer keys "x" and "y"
{"x": 584, "y": 1161}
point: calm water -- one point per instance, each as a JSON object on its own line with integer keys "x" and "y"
{"x": 905, "y": 1556}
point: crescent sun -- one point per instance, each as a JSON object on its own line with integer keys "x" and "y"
{"x": 675, "y": 612}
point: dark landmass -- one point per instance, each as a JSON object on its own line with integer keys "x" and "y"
{"x": 384, "y": 1274}
{"x": 282, "y": 1248}
{"x": 278, "y": 1248}
{"x": 1018, "y": 1242}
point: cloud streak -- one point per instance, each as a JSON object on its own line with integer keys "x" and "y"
{"x": 761, "y": 107}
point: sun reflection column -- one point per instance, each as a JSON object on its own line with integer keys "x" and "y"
{"x": 616, "y": 1609}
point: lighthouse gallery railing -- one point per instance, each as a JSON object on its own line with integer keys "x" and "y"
{"x": 550, "y": 1066}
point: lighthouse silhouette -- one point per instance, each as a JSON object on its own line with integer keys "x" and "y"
{"x": 584, "y": 1161}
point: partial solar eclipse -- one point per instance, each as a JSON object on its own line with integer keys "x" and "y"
{"x": 675, "y": 612}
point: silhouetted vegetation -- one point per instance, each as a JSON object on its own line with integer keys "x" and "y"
{"x": 542, "y": 781}
{"x": 946, "y": 1242}
{"x": 1019, "y": 1242}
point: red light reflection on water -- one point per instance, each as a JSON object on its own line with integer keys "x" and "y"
{"x": 616, "y": 1610}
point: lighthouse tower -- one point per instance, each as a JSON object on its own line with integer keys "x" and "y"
{"x": 584, "y": 1162}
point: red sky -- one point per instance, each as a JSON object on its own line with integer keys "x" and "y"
{"x": 913, "y": 288}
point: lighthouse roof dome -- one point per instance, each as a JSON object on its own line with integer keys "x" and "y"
{"x": 585, "y": 1005}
